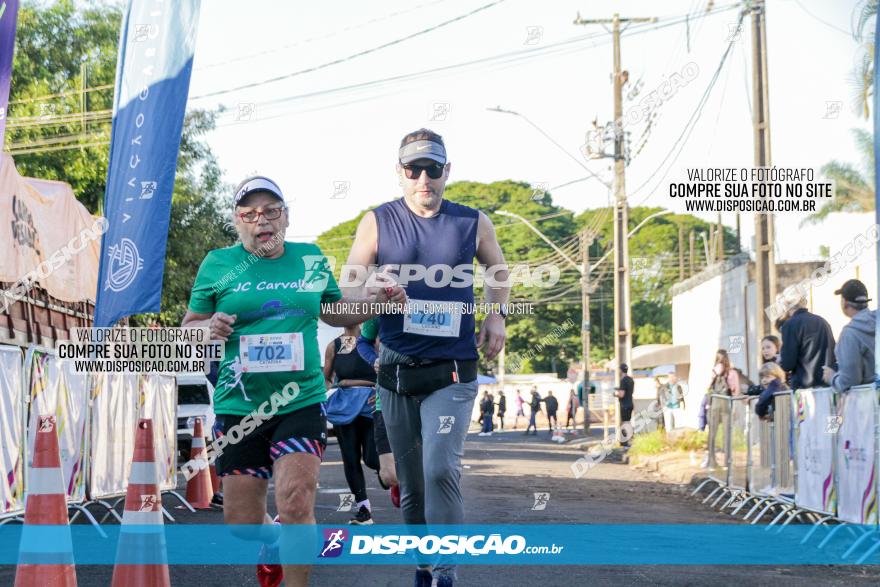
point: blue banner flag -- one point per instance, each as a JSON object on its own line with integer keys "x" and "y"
{"x": 152, "y": 83}
{"x": 8, "y": 16}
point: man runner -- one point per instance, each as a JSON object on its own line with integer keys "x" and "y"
{"x": 428, "y": 360}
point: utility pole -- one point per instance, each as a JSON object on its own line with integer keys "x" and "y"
{"x": 692, "y": 251}
{"x": 765, "y": 262}
{"x": 586, "y": 240}
{"x": 681, "y": 252}
{"x": 622, "y": 318}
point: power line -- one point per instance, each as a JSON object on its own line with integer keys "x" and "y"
{"x": 353, "y": 56}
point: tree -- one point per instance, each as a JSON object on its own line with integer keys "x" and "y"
{"x": 863, "y": 72}
{"x": 61, "y": 100}
{"x": 854, "y": 188}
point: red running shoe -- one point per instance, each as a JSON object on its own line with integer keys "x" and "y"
{"x": 395, "y": 495}
{"x": 269, "y": 572}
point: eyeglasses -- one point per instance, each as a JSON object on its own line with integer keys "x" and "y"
{"x": 269, "y": 213}
{"x": 434, "y": 171}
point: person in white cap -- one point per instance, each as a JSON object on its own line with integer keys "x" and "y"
{"x": 263, "y": 296}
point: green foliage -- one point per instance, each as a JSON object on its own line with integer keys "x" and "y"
{"x": 529, "y": 346}
{"x": 658, "y": 441}
{"x": 854, "y": 187}
{"x": 61, "y": 46}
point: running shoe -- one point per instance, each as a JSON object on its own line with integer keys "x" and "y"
{"x": 217, "y": 500}
{"x": 395, "y": 495}
{"x": 444, "y": 581}
{"x": 269, "y": 572}
{"x": 362, "y": 517}
{"x": 423, "y": 578}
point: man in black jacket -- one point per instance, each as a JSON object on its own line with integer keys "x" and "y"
{"x": 552, "y": 405}
{"x": 807, "y": 346}
{"x": 624, "y": 393}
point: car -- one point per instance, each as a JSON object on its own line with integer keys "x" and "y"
{"x": 195, "y": 398}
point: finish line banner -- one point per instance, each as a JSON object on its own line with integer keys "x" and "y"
{"x": 152, "y": 84}
{"x": 623, "y": 544}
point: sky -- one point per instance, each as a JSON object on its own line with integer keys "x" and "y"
{"x": 329, "y": 135}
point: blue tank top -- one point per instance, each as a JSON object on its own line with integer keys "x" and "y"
{"x": 447, "y": 238}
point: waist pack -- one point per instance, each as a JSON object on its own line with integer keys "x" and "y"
{"x": 426, "y": 379}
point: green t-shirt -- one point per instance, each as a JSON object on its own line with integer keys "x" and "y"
{"x": 267, "y": 296}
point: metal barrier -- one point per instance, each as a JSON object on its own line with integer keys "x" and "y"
{"x": 815, "y": 460}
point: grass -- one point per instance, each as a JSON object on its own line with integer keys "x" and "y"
{"x": 657, "y": 442}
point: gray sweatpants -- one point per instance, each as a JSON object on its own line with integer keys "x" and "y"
{"x": 427, "y": 438}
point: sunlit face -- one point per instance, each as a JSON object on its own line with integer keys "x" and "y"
{"x": 264, "y": 235}
{"x": 422, "y": 191}
{"x": 768, "y": 350}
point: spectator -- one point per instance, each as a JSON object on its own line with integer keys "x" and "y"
{"x": 571, "y": 410}
{"x": 519, "y": 408}
{"x": 770, "y": 347}
{"x": 624, "y": 393}
{"x": 660, "y": 394}
{"x": 855, "y": 349}
{"x": 725, "y": 382}
{"x": 673, "y": 402}
{"x": 502, "y": 408}
{"x": 535, "y": 406}
{"x": 486, "y": 414}
{"x": 772, "y": 381}
{"x": 807, "y": 343}
{"x": 552, "y": 406}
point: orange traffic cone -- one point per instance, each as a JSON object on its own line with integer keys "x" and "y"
{"x": 46, "y": 505}
{"x": 142, "y": 536}
{"x": 215, "y": 479}
{"x": 198, "y": 489}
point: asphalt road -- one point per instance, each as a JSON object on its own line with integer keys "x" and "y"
{"x": 501, "y": 475}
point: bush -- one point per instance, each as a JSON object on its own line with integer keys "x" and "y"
{"x": 656, "y": 442}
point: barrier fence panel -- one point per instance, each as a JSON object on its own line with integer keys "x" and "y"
{"x": 738, "y": 451}
{"x": 54, "y": 388}
{"x": 783, "y": 445}
{"x": 856, "y": 456}
{"x": 760, "y": 464}
{"x": 114, "y": 421}
{"x": 159, "y": 394}
{"x": 11, "y": 432}
{"x": 814, "y": 450}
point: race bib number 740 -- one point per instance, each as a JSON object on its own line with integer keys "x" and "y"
{"x": 271, "y": 352}
{"x": 433, "y": 318}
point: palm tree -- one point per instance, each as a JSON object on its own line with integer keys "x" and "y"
{"x": 854, "y": 189}
{"x": 863, "y": 72}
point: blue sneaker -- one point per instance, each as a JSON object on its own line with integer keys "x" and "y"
{"x": 423, "y": 578}
{"x": 444, "y": 581}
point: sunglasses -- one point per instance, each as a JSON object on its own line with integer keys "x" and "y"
{"x": 434, "y": 171}
{"x": 254, "y": 215}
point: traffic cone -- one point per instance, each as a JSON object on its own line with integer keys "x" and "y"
{"x": 215, "y": 479}
{"x": 141, "y": 558}
{"x": 199, "y": 490}
{"x": 46, "y": 506}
